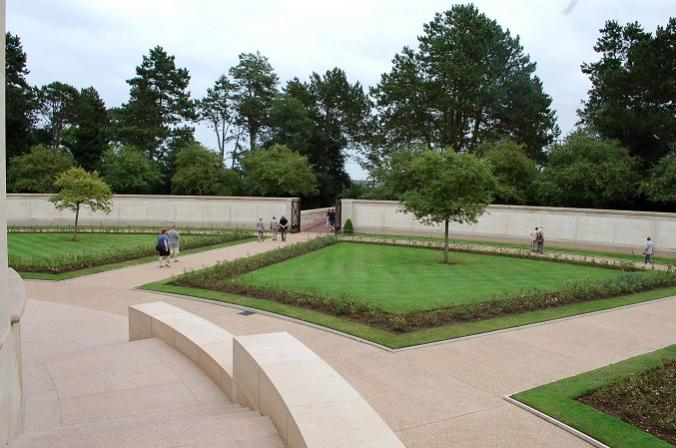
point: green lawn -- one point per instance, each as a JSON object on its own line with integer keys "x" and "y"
{"x": 55, "y": 256}
{"x": 402, "y": 279}
{"x": 560, "y": 401}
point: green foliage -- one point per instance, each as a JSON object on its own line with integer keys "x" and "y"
{"x": 347, "y": 228}
{"x": 19, "y": 99}
{"x": 468, "y": 81}
{"x": 36, "y": 171}
{"x": 201, "y": 172}
{"x": 129, "y": 171}
{"x": 76, "y": 188}
{"x": 57, "y": 106}
{"x": 587, "y": 171}
{"x": 159, "y": 105}
{"x": 255, "y": 87}
{"x": 660, "y": 186}
{"x": 278, "y": 171}
{"x": 632, "y": 94}
{"x": 216, "y": 109}
{"x": 87, "y": 138}
{"x": 513, "y": 169}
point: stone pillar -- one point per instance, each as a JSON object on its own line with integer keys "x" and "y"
{"x": 11, "y": 393}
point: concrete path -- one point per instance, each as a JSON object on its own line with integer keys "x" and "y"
{"x": 446, "y": 395}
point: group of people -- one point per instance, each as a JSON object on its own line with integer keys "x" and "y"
{"x": 537, "y": 240}
{"x": 168, "y": 243}
{"x": 331, "y": 219}
{"x": 280, "y": 228}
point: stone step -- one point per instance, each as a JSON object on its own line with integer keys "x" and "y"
{"x": 230, "y": 430}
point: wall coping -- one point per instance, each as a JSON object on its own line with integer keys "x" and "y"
{"x": 160, "y": 196}
{"x": 311, "y": 405}
{"x": 532, "y": 208}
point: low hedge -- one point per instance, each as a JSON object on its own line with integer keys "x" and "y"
{"x": 221, "y": 278}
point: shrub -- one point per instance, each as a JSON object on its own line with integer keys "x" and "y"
{"x": 348, "y": 229}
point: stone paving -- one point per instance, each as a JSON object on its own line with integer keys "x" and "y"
{"x": 445, "y": 395}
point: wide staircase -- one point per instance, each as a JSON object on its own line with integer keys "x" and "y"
{"x": 86, "y": 386}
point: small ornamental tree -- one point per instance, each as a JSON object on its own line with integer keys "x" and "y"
{"x": 76, "y": 187}
{"x": 445, "y": 186}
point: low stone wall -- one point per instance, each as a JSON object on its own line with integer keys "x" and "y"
{"x": 153, "y": 210}
{"x": 612, "y": 230}
{"x": 311, "y": 405}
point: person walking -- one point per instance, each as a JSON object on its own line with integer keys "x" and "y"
{"x": 648, "y": 253}
{"x": 332, "y": 220}
{"x": 534, "y": 240}
{"x": 274, "y": 226}
{"x": 540, "y": 237}
{"x": 283, "y": 227}
{"x": 162, "y": 248}
{"x": 260, "y": 228}
{"x": 174, "y": 239}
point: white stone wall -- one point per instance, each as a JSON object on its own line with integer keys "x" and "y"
{"x": 602, "y": 229}
{"x": 194, "y": 211}
{"x": 310, "y": 218}
{"x": 11, "y": 390}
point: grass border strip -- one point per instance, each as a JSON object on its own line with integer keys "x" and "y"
{"x": 579, "y": 434}
{"x": 559, "y": 400}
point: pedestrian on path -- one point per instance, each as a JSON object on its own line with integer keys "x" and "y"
{"x": 534, "y": 240}
{"x": 648, "y": 253}
{"x": 260, "y": 228}
{"x": 174, "y": 239}
{"x": 162, "y": 248}
{"x": 274, "y": 226}
{"x": 540, "y": 240}
{"x": 332, "y": 220}
{"x": 283, "y": 227}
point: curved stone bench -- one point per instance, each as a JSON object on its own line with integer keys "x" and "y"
{"x": 274, "y": 373}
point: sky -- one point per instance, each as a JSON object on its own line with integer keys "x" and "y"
{"x": 100, "y": 42}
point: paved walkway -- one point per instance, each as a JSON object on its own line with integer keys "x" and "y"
{"x": 446, "y": 395}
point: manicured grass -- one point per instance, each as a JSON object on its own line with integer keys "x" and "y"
{"x": 47, "y": 255}
{"x": 400, "y": 279}
{"x": 401, "y": 340}
{"x": 549, "y": 249}
{"x": 560, "y": 400}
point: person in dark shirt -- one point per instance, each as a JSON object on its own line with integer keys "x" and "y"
{"x": 283, "y": 227}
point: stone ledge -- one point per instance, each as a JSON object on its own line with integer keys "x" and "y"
{"x": 311, "y": 405}
{"x": 309, "y": 402}
{"x": 17, "y": 296}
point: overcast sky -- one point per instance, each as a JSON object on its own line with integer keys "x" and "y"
{"x": 100, "y": 42}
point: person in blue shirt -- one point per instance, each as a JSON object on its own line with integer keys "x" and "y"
{"x": 163, "y": 248}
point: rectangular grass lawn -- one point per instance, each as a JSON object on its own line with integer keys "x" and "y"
{"x": 401, "y": 279}
{"x": 52, "y": 255}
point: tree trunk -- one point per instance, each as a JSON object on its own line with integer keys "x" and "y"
{"x": 446, "y": 241}
{"x": 77, "y": 217}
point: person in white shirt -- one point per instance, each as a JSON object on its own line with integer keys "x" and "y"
{"x": 648, "y": 253}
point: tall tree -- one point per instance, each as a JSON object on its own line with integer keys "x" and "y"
{"x": 19, "y": 97}
{"x": 128, "y": 170}
{"x": 87, "y": 139}
{"x": 278, "y": 171}
{"x": 56, "y": 109}
{"x": 331, "y": 125}
{"x": 633, "y": 93}
{"x": 256, "y": 86}
{"x": 36, "y": 171}
{"x": 469, "y": 81}
{"x": 159, "y": 106}
{"x": 201, "y": 172}
{"x": 216, "y": 108}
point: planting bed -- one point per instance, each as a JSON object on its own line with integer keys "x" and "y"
{"x": 54, "y": 255}
{"x": 628, "y": 404}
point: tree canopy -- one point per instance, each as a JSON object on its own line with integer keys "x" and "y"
{"x": 129, "y": 171}
{"x": 77, "y": 188}
{"x": 633, "y": 93}
{"x": 514, "y": 170}
{"x": 201, "y": 172}
{"x": 36, "y": 171}
{"x": 443, "y": 187}
{"x": 467, "y": 82}
{"x": 278, "y": 171}
{"x": 19, "y": 98}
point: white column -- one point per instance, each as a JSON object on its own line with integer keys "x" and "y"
{"x": 4, "y": 293}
